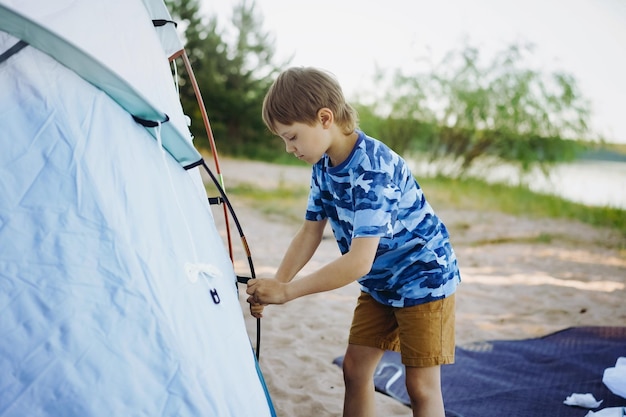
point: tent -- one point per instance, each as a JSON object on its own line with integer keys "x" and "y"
{"x": 117, "y": 295}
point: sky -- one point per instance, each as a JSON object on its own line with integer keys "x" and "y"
{"x": 350, "y": 38}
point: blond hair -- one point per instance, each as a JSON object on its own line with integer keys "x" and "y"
{"x": 299, "y": 93}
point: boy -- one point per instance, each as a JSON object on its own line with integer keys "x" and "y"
{"x": 390, "y": 239}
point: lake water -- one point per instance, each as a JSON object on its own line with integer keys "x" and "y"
{"x": 597, "y": 183}
{"x": 590, "y": 182}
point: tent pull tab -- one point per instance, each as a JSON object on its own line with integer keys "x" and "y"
{"x": 162, "y": 22}
{"x": 149, "y": 123}
{"x": 215, "y": 296}
{"x": 194, "y": 270}
{"x": 216, "y": 201}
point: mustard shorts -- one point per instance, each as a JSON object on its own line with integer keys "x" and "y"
{"x": 423, "y": 334}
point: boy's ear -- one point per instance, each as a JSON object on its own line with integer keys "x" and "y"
{"x": 325, "y": 116}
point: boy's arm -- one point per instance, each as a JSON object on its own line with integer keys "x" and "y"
{"x": 344, "y": 270}
{"x": 300, "y": 250}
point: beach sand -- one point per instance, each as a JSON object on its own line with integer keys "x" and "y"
{"x": 514, "y": 286}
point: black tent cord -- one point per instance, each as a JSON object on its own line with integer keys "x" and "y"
{"x": 240, "y": 279}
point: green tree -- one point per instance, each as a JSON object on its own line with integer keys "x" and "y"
{"x": 207, "y": 54}
{"x": 252, "y": 73}
{"x": 467, "y": 110}
{"x": 233, "y": 71}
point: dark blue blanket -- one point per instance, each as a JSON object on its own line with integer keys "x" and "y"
{"x": 520, "y": 378}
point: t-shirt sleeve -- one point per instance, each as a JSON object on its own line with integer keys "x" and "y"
{"x": 376, "y": 200}
{"x": 315, "y": 207}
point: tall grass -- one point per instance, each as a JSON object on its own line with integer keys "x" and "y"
{"x": 518, "y": 200}
{"x": 443, "y": 192}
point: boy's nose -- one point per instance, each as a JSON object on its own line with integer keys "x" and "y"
{"x": 289, "y": 148}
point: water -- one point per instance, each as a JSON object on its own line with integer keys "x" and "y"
{"x": 590, "y": 182}
{"x": 595, "y": 183}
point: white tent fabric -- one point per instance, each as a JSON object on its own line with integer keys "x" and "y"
{"x": 113, "y": 46}
{"x": 117, "y": 296}
{"x": 168, "y": 36}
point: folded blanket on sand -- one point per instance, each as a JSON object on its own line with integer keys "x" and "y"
{"x": 520, "y": 378}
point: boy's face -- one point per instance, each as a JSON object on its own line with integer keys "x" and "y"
{"x": 307, "y": 143}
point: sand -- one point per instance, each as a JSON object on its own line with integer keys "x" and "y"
{"x": 514, "y": 286}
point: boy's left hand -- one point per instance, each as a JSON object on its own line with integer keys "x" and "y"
{"x": 256, "y": 310}
{"x": 266, "y": 291}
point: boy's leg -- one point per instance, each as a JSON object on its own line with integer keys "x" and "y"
{"x": 359, "y": 365}
{"x": 374, "y": 329}
{"x": 424, "y": 388}
{"x": 427, "y": 342}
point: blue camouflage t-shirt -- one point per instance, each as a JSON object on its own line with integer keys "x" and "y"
{"x": 373, "y": 193}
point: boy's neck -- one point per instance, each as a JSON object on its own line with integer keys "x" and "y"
{"x": 341, "y": 148}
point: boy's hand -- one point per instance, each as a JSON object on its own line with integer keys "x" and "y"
{"x": 256, "y": 309}
{"x": 266, "y": 291}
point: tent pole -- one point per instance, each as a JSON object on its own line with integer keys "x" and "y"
{"x": 207, "y": 125}
{"x": 220, "y": 185}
